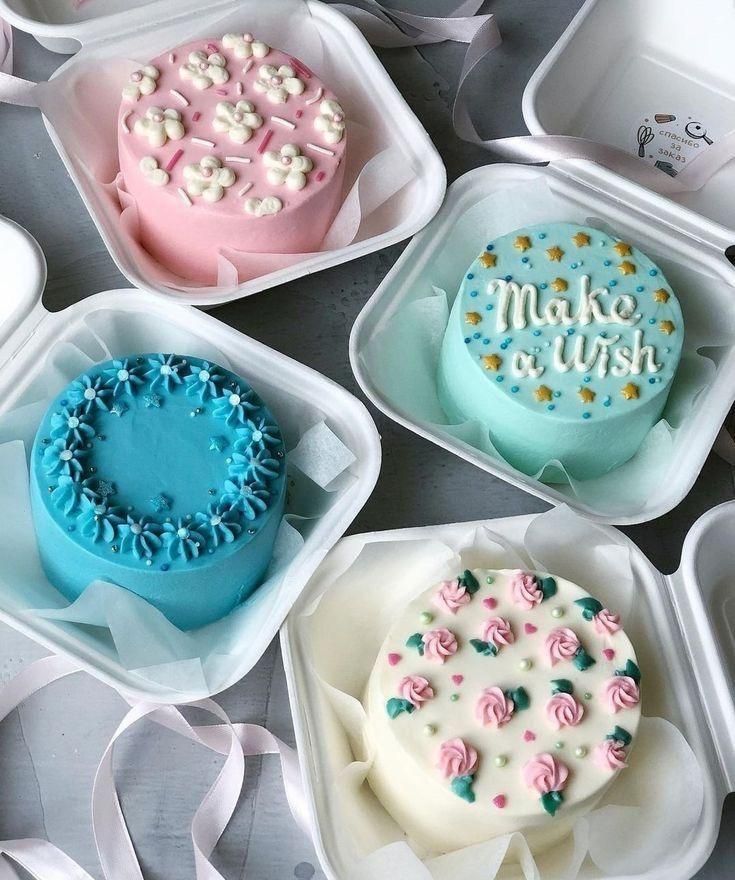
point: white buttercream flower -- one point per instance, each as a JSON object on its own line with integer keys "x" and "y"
{"x": 245, "y": 45}
{"x": 152, "y": 172}
{"x": 159, "y": 125}
{"x": 142, "y": 82}
{"x": 263, "y": 207}
{"x": 208, "y": 179}
{"x": 278, "y": 83}
{"x": 238, "y": 120}
{"x": 205, "y": 70}
{"x": 287, "y": 166}
{"x": 331, "y": 121}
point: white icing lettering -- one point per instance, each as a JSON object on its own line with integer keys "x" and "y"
{"x": 524, "y": 364}
{"x": 635, "y": 361}
{"x": 579, "y": 359}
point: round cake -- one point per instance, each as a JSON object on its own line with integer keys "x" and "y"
{"x": 563, "y": 342}
{"x": 230, "y": 144}
{"x": 500, "y": 701}
{"x": 164, "y": 474}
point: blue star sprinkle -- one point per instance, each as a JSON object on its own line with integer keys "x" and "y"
{"x": 152, "y": 400}
{"x": 160, "y": 503}
{"x": 119, "y": 408}
{"x": 217, "y": 444}
{"x": 105, "y": 489}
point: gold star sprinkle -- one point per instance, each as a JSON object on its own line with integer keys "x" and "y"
{"x": 492, "y": 362}
{"x": 473, "y": 317}
{"x": 586, "y": 395}
{"x": 542, "y": 393}
{"x": 522, "y": 243}
{"x": 487, "y": 260}
{"x": 622, "y": 248}
{"x": 630, "y": 391}
{"x": 627, "y": 268}
{"x": 559, "y": 285}
{"x": 581, "y": 239}
{"x": 555, "y": 253}
{"x": 667, "y": 327}
{"x": 661, "y": 295}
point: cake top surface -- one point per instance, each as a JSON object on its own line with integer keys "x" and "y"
{"x": 159, "y": 461}
{"x": 232, "y": 125}
{"x": 512, "y": 690}
{"x": 570, "y": 321}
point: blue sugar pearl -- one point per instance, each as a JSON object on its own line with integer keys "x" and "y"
{"x": 550, "y": 407}
{"x": 652, "y": 381}
{"x": 573, "y": 266}
{"x": 607, "y": 263}
{"x": 503, "y": 345}
{"x": 165, "y": 566}
{"x": 602, "y": 242}
{"x": 536, "y": 332}
{"x": 640, "y": 288}
{"x": 586, "y": 415}
{"x": 470, "y": 276}
{"x": 542, "y": 235}
{"x": 467, "y": 340}
{"x": 489, "y": 307}
{"x": 472, "y": 292}
{"x": 607, "y": 401}
{"x": 71, "y": 528}
{"x": 508, "y": 277}
{"x": 604, "y": 334}
{"x": 500, "y": 378}
{"x": 570, "y": 331}
{"x": 486, "y": 342}
{"x": 557, "y": 394}
{"x": 490, "y": 247}
{"x": 587, "y": 379}
{"x": 515, "y": 389}
{"x": 653, "y": 272}
{"x": 543, "y": 285}
{"x": 508, "y": 339}
{"x": 524, "y": 259}
{"x": 651, "y": 320}
{"x": 613, "y": 283}
{"x": 475, "y": 335}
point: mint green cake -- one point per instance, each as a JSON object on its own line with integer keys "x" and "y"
{"x": 563, "y": 342}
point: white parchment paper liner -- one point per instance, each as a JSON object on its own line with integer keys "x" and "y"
{"x": 127, "y": 628}
{"x": 645, "y": 819}
{"x": 402, "y": 355}
{"x": 82, "y": 104}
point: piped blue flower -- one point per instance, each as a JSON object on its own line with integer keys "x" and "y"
{"x": 250, "y": 498}
{"x": 220, "y": 524}
{"x": 68, "y": 493}
{"x": 71, "y": 423}
{"x": 257, "y": 433}
{"x": 89, "y": 394}
{"x": 202, "y": 381}
{"x": 64, "y": 457}
{"x": 98, "y": 521}
{"x": 234, "y": 406}
{"x": 141, "y": 537}
{"x": 165, "y": 371}
{"x": 123, "y": 377}
{"x": 258, "y": 466}
{"x": 182, "y": 540}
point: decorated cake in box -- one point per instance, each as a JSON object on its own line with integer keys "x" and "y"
{"x": 563, "y": 343}
{"x": 230, "y": 143}
{"x": 164, "y": 474}
{"x": 500, "y": 701}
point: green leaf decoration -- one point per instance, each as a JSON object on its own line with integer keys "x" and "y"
{"x": 469, "y": 582}
{"x": 548, "y": 587}
{"x": 394, "y": 707}
{"x": 562, "y": 686}
{"x": 631, "y": 670}
{"x": 590, "y": 607}
{"x": 551, "y": 801}
{"x": 416, "y": 641}
{"x": 621, "y": 735}
{"x": 462, "y": 787}
{"x": 487, "y": 649}
{"x": 520, "y": 697}
{"x": 582, "y": 659}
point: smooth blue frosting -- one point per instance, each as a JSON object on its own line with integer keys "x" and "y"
{"x": 164, "y": 474}
{"x": 593, "y": 291}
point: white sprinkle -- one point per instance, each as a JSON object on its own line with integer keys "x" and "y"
{"x": 242, "y": 159}
{"x": 319, "y": 149}
{"x": 171, "y": 58}
{"x": 316, "y": 96}
{"x": 238, "y": 88}
{"x": 185, "y": 197}
{"x": 179, "y": 97}
{"x": 248, "y": 66}
{"x": 245, "y": 189}
{"x": 281, "y": 121}
{"x": 124, "y": 122}
{"x": 203, "y": 143}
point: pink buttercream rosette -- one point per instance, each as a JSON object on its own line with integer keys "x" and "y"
{"x": 606, "y": 622}
{"x": 610, "y": 755}
{"x": 563, "y": 710}
{"x": 525, "y": 590}
{"x": 456, "y": 758}
{"x": 494, "y": 708}
{"x": 620, "y": 692}
{"x": 451, "y": 596}
{"x": 497, "y": 631}
{"x": 561, "y": 644}
{"x": 415, "y": 689}
{"x": 439, "y": 644}
{"x": 544, "y": 773}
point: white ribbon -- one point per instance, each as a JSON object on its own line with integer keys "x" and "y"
{"x": 44, "y": 861}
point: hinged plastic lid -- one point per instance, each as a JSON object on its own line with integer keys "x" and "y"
{"x": 24, "y": 278}
{"x": 650, "y": 78}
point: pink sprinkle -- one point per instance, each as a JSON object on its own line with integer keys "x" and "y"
{"x": 529, "y": 736}
{"x": 393, "y": 659}
{"x": 248, "y": 65}
{"x": 301, "y": 68}
{"x": 315, "y": 97}
{"x": 266, "y": 139}
{"x": 222, "y": 92}
{"x": 196, "y": 117}
{"x": 319, "y": 149}
{"x": 500, "y": 801}
{"x": 171, "y": 58}
{"x": 491, "y": 602}
{"x": 174, "y": 159}
{"x": 246, "y": 189}
{"x": 124, "y": 122}
{"x": 203, "y": 142}
{"x": 458, "y": 679}
{"x": 530, "y": 628}
{"x": 608, "y": 653}
{"x": 212, "y": 48}
{"x": 320, "y": 176}
{"x": 179, "y": 97}
{"x": 238, "y": 88}
{"x": 299, "y": 114}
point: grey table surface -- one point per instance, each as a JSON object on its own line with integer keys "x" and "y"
{"x": 50, "y": 747}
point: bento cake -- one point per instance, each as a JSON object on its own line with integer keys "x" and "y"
{"x": 164, "y": 474}
{"x": 500, "y": 701}
{"x": 563, "y": 343}
{"x": 230, "y": 144}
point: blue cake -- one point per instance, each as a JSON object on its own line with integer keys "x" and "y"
{"x": 164, "y": 474}
{"x": 563, "y": 343}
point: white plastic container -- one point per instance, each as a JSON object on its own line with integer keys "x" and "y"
{"x": 113, "y": 28}
{"x": 689, "y": 618}
{"x": 28, "y": 330}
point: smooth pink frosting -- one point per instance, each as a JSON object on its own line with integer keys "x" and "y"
{"x": 620, "y": 692}
{"x": 525, "y": 591}
{"x": 561, "y": 644}
{"x": 606, "y": 623}
{"x": 493, "y": 708}
{"x": 544, "y": 773}
{"x": 451, "y": 596}
{"x": 439, "y": 644}
{"x": 610, "y": 755}
{"x": 456, "y": 758}
{"x": 497, "y": 631}
{"x": 564, "y": 711}
{"x": 415, "y": 689}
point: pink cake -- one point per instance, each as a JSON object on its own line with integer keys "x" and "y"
{"x": 230, "y": 144}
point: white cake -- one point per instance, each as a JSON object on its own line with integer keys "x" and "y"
{"x": 500, "y": 701}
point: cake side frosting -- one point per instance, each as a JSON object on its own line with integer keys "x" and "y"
{"x": 563, "y": 341}
{"x": 230, "y": 143}
{"x": 500, "y": 701}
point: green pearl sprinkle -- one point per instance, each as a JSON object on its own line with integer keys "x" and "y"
{"x": 489, "y": 580}
{"x": 558, "y": 744}
{"x": 426, "y": 617}
{"x": 454, "y": 698}
{"x": 557, "y": 613}
{"x": 587, "y": 695}
{"x": 501, "y": 761}
{"x": 525, "y": 664}
{"x": 429, "y": 730}
{"x": 580, "y": 752}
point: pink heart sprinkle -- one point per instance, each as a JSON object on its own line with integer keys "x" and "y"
{"x": 608, "y": 653}
{"x": 458, "y": 679}
{"x": 500, "y": 801}
{"x": 490, "y": 602}
{"x": 529, "y": 736}
{"x": 530, "y": 628}
{"x": 393, "y": 659}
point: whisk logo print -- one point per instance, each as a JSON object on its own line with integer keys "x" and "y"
{"x": 668, "y": 140}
